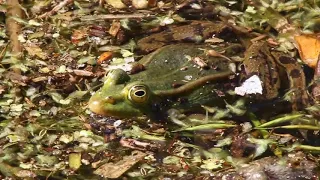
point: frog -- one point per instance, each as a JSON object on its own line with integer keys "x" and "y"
{"x": 173, "y": 78}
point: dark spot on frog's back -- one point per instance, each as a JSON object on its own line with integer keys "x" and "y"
{"x": 168, "y": 37}
{"x": 286, "y": 60}
{"x": 149, "y": 40}
{"x": 295, "y": 73}
{"x": 176, "y": 85}
{"x": 198, "y": 29}
{"x": 275, "y": 80}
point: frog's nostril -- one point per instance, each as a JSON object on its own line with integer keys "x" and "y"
{"x": 110, "y": 100}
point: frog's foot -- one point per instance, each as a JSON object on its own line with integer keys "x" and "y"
{"x": 316, "y": 85}
{"x": 299, "y": 98}
{"x": 315, "y": 93}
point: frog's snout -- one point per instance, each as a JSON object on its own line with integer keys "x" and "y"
{"x": 96, "y": 104}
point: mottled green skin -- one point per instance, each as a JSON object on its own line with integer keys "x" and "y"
{"x": 166, "y": 66}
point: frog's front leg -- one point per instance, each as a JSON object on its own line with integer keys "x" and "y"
{"x": 297, "y": 80}
{"x": 259, "y": 61}
{"x": 276, "y": 71}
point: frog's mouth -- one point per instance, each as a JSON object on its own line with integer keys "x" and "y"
{"x": 96, "y": 106}
{"x": 111, "y": 107}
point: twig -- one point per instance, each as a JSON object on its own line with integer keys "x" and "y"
{"x": 14, "y": 28}
{"x": 115, "y": 16}
{"x": 56, "y": 8}
{"x": 3, "y": 51}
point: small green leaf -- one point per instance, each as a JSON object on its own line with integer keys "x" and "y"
{"x": 250, "y": 9}
{"x": 43, "y": 160}
{"x": 282, "y": 119}
{"x": 212, "y": 163}
{"x": 74, "y": 160}
{"x": 262, "y": 145}
{"x": 77, "y": 95}
{"x": 55, "y": 96}
{"x": 206, "y": 127}
{"x": 126, "y": 53}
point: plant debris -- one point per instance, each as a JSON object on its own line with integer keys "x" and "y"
{"x": 115, "y": 170}
{"x": 55, "y": 54}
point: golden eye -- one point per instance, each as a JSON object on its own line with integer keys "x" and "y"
{"x": 138, "y": 94}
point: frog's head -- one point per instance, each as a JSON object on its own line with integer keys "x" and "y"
{"x": 120, "y": 98}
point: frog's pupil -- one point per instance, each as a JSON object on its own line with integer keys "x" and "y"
{"x": 139, "y": 93}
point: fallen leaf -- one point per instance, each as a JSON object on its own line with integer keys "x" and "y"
{"x": 140, "y": 4}
{"x": 41, "y": 78}
{"x": 79, "y": 72}
{"x": 104, "y": 57}
{"x": 309, "y": 48}
{"x": 118, "y": 4}
{"x": 25, "y": 174}
{"x": 114, "y": 29}
{"x": 78, "y": 35}
{"x": 200, "y": 62}
{"x": 74, "y": 160}
{"x": 115, "y": 170}
{"x": 17, "y": 78}
{"x": 34, "y": 50}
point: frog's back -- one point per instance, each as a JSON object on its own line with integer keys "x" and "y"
{"x": 179, "y": 64}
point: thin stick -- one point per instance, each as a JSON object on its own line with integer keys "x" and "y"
{"x": 56, "y": 8}
{"x": 115, "y": 16}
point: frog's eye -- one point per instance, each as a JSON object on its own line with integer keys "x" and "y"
{"x": 138, "y": 94}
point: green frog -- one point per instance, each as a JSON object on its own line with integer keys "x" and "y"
{"x": 176, "y": 76}
{"x": 185, "y": 76}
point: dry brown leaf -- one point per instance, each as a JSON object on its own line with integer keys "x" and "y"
{"x": 114, "y": 29}
{"x": 34, "y": 50}
{"x": 118, "y": 4}
{"x": 2, "y": 89}
{"x": 78, "y": 35}
{"x": 17, "y": 78}
{"x": 41, "y": 78}
{"x": 25, "y": 174}
{"x": 79, "y": 72}
{"x": 140, "y": 4}
{"x": 115, "y": 170}
{"x": 309, "y": 48}
{"x": 200, "y": 62}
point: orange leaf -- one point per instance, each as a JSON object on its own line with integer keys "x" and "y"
{"x": 78, "y": 35}
{"x": 309, "y": 48}
{"x": 104, "y": 57}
